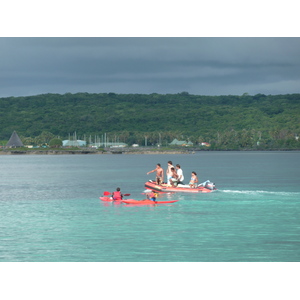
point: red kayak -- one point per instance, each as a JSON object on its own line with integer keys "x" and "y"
{"x": 147, "y": 202}
{"x": 108, "y": 199}
{"x": 151, "y": 185}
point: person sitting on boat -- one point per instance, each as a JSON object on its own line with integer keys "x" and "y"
{"x": 117, "y": 195}
{"x": 174, "y": 177}
{"x": 159, "y": 174}
{"x": 152, "y": 196}
{"x": 180, "y": 174}
{"x": 194, "y": 180}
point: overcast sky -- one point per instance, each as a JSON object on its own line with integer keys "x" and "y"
{"x": 202, "y": 66}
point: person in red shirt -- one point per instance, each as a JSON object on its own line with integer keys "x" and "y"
{"x": 117, "y": 195}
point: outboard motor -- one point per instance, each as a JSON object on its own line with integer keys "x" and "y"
{"x": 208, "y": 185}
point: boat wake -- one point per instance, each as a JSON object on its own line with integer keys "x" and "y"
{"x": 257, "y": 192}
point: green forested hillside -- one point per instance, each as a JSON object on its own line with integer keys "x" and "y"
{"x": 227, "y": 122}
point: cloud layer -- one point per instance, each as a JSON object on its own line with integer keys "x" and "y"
{"x": 204, "y": 66}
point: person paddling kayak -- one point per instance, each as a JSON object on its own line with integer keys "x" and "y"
{"x": 152, "y": 196}
{"x": 117, "y": 195}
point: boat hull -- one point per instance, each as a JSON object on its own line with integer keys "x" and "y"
{"x": 147, "y": 202}
{"x": 137, "y": 202}
{"x": 167, "y": 188}
{"x": 108, "y": 199}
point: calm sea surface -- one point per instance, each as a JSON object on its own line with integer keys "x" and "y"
{"x": 51, "y": 212}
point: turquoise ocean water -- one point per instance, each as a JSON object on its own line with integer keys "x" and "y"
{"x": 51, "y": 212}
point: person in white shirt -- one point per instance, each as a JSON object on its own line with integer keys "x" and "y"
{"x": 180, "y": 174}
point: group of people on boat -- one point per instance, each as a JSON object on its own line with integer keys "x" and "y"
{"x": 174, "y": 175}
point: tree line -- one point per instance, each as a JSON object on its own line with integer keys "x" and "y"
{"x": 226, "y": 122}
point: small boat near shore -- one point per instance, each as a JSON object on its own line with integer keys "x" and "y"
{"x": 205, "y": 187}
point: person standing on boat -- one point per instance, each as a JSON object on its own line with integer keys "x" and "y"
{"x": 180, "y": 174}
{"x": 174, "y": 177}
{"x": 117, "y": 194}
{"x": 169, "y": 171}
{"x": 194, "y": 180}
{"x": 159, "y": 174}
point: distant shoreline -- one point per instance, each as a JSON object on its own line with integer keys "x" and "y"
{"x": 85, "y": 152}
{"x": 134, "y": 152}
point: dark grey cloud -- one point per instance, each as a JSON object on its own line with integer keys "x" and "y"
{"x": 206, "y": 66}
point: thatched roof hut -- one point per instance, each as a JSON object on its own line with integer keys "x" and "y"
{"x": 14, "y": 141}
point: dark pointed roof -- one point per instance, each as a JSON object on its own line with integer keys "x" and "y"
{"x": 14, "y": 141}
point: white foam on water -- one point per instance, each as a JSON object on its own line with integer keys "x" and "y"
{"x": 256, "y": 192}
